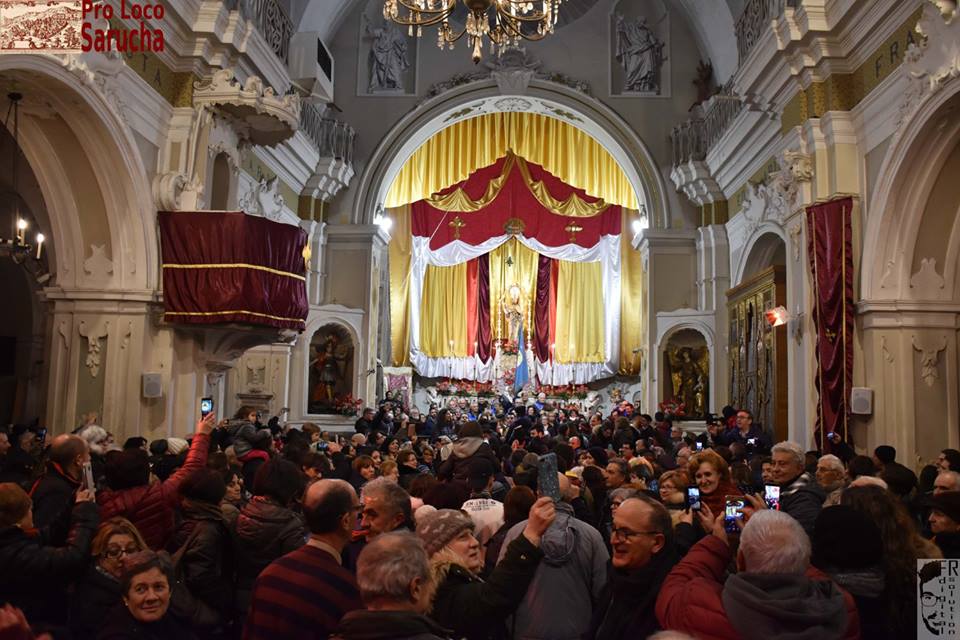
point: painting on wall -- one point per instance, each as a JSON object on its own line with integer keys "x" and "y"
{"x": 332, "y": 355}
{"x": 686, "y": 361}
{"x": 640, "y": 49}
{"x": 387, "y": 56}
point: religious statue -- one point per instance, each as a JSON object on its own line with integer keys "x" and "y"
{"x": 512, "y": 305}
{"x": 640, "y": 53}
{"x": 689, "y": 375}
{"x": 388, "y": 57}
{"x": 326, "y": 370}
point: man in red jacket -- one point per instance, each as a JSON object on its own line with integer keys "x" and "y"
{"x": 150, "y": 506}
{"x": 774, "y": 594}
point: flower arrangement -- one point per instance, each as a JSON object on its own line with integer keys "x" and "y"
{"x": 565, "y": 391}
{"x": 448, "y": 387}
{"x": 673, "y": 408}
{"x": 347, "y": 405}
{"x": 509, "y": 347}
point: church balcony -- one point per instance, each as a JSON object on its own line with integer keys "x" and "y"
{"x": 755, "y": 20}
{"x": 334, "y": 141}
{"x": 693, "y": 139}
{"x": 272, "y": 22}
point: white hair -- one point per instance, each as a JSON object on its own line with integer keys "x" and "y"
{"x": 832, "y": 461}
{"x": 94, "y": 434}
{"x": 792, "y": 448}
{"x": 868, "y": 481}
{"x": 774, "y": 542}
{"x": 389, "y": 563}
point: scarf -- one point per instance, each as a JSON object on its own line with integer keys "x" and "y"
{"x": 626, "y": 608}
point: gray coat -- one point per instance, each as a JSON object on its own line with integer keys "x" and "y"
{"x": 559, "y": 603}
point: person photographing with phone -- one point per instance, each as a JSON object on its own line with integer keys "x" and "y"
{"x": 54, "y": 493}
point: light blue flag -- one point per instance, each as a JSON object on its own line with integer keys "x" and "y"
{"x": 522, "y": 376}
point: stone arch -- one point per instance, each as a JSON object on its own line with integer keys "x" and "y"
{"x": 762, "y": 250}
{"x": 591, "y": 115}
{"x": 73, "y": 138}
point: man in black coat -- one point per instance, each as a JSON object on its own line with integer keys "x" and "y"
{"x": 36, "y": 576}
{"x": 53, "y": 494}
{"x": 643, "y": 555}
{"x": 800, "y": 495}
{"x": 365, "y": 422}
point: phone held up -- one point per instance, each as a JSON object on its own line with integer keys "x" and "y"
{"x": 771, "y": 495}
{"x": 206, "y": 406}
{"x": 693, "y": 498}
{"x": 88, "y": 483}
{"x": 733, "y": 510}
{"x": 547, "y": 480}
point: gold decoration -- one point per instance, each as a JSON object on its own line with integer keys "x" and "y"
{"x": 456, "y": 224}
{"x": 514, "y": 226}
{"x": 573, "y": 229}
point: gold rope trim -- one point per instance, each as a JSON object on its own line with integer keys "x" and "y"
{"x": 236, "y": 265}
{"x": 226, "y": 313}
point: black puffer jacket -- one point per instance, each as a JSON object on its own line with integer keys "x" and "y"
{"x": 207, "y": 562}
{"x": 34, "y": 577}
{"x": 120, "y": 625}
{"x": 91, "y": 601}
{"x": 464, "y": 450}
{"x": 264, "y": 532}
{"x": 53, "y": 497}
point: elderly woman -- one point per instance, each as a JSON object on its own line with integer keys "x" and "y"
{"x": 471, "y": 607}
{"x": 712, "y": 475}
{"x": 96, "y": 595}
{"x": 145, "y": 585}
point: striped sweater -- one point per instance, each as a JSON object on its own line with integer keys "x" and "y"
{"x": 301, "y": 595}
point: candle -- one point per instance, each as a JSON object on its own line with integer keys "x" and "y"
{"x": 21, "y": 228}
{"x": 40, "y": 239}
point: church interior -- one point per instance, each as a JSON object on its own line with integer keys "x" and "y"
{"x": 306, "y": 206}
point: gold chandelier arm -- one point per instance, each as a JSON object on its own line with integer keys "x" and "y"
{"x": 433, "y": 16}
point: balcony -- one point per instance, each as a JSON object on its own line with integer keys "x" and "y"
{"x": 755, "y": 19}
{"x": 272, "y": 22}
{"x": 334, "y": 141}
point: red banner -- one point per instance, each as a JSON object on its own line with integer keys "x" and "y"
{"x": 517, "y": 205}
{"x": 830, "y": 250}
{"x": 228, "y": 267}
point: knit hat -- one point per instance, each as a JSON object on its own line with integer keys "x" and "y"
{"x": 439, "y": 528}
{"x": 470, "y": 429}
{"x": 844, "y": 538}
{"x": 176, "y": 446}
{"x": 947, "y": 503}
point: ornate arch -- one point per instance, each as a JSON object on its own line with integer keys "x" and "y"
{"x": 751, "y": 247}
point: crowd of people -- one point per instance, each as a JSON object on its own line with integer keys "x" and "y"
{"x": 448, "y": 524}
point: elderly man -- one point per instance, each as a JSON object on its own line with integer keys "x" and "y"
{"x": 397, "y": 588}
{"x": 386, "y": 507}
{"x": 945, "y": 522}
{"x": 832, "y": 478}
{"x": 559, "y": 602}
{"x": 774, "y": 593}
{"x": 946, "y": 481}
{"x": 800, "y": 495}
{"x": 53, "y": 495}
{"x": 305, "y": 593}
{"x": 643, "y": 555}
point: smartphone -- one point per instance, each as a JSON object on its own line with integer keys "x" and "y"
{"x": 699, "y": 446}
{"x": 771, "y": 495}
{"x": 547, "y": 480}
{"x": 734, "y": 510}
{"x": 654, "y": 486}
{"x": 88, "y": 477}
{"x": 693, "y": 498}
{"x": 752, "y": 442}
{"x": 41, "y": 434}
{"x": 206, "y": 406}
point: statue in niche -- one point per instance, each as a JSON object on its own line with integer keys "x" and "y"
{"x": 388, "y": 57}
{"x": 512, "y": 305}
{"x": 330, "y": 369}
{"x": 689, "y": 376}
{"x": 640, "y": 53}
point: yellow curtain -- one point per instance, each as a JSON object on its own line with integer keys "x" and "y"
{"x": 579, "y": 312}
{"x": 512, "y": 263}
{"x": 452, "y": 154}
{"x": 399, "y": 255}
{"x": 443, "y": 312}
{"x": 631, "y": 295}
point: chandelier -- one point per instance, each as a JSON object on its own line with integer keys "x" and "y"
{"x": 16, "y": 247}
{"x": 511, "y": 20}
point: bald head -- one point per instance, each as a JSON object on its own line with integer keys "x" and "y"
{"x": 566, "y": 488}
{"x": 326, "y": 505}
{"x": 69, "y": 452}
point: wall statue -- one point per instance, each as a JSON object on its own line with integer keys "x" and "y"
{"x": 640, "y": 53}
{"x": 388, "y": 57}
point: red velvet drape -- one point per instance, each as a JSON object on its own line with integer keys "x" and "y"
{"x": 514, "y": 201}
{"x": 541, "y": 342}
{"x": 484, "y": 332}
{"x": 472, "y": 300}
{"x": 830, "y": 250}
{"x": 221, "y": 267}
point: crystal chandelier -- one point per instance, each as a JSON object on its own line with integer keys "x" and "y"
{"x": 511, "y": 20}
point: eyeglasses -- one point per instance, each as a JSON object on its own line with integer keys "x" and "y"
{"x": 115, "y": 552}
{"x": 626, "y": 534}
{"x": 930, "y": 599}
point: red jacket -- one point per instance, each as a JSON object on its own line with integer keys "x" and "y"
{"x": 150, "y": 507}
{"x": 690, "y": 599}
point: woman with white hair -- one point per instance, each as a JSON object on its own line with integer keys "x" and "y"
{"x": 98, "y": 440}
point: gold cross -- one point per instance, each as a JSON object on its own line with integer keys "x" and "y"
{"x": 573, "y": 229}
{"x": 457, "y": 224}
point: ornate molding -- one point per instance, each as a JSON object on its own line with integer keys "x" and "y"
{"x": 884, "y": 351}
{"x": 929, "y": 357}
{"x": 98, "y": 266}
{"x": 927, "y": 282}
{"x": 263, "y": 199}
{"x": 796, "y": 231}
{"x": 778, "y": 197}
{"x": 256, "y": 111}
{"x": 934, "y": 61}
{"x": 94, "y": 334}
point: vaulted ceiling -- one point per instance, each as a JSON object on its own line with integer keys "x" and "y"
{"x": 711, "y": 20}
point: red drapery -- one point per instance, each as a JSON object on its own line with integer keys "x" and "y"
{"x": 542, "y": 335}
{"x": 472, "y": 300}
{"x": 484, "y": 332}
{"x": 830, "y": 250}
{"x": 515, "y": 200}
{"x": 221, "y": 267}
